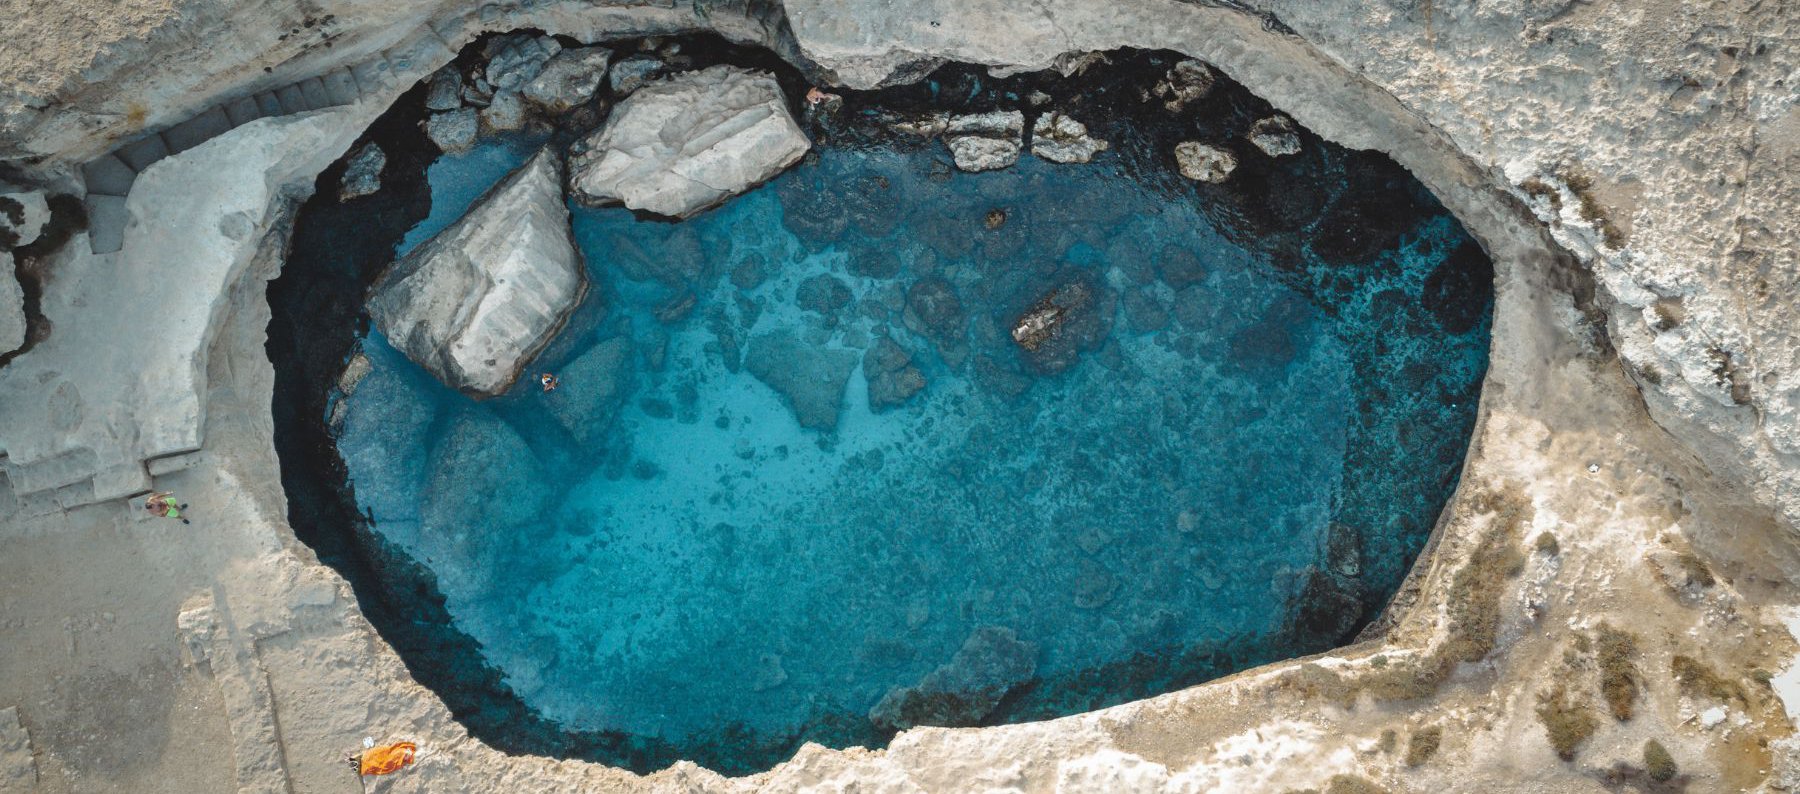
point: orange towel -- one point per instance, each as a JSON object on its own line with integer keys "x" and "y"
{"x": 388, "y": 759}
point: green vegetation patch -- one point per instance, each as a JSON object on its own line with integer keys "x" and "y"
{"x": 1617, "y": 653}
{"x": 1423, "y": 744}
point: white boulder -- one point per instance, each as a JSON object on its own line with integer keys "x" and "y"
{"x": 1059, "y": 138}
{"x": 1203, "y": 163}
{"x": 687, "y": 142}
{"x": 1275, "y": 135}
{"x": 985, "y": 141}
{"x": 476, "y": 302}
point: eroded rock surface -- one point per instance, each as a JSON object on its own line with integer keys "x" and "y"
{"x": 1059, "y": 138}
{"x": 569, "y": 79}
{"x": 477, "y": 301}
{"x": 1204, "y": 163}
{"x": 362, "y": 175}
{"x": 985, "y": 141}
{"x": 990, "y": 663}
{"x": 685, "y": 143}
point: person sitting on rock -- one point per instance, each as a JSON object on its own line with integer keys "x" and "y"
{"x": 163, "y": 504}
{"x": 550, "y": 381}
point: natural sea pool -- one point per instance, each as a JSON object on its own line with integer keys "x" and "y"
{"x": 800, "y": 483}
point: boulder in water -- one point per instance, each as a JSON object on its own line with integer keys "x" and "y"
{"x": 1059, "y": 138}
{"x": 1203, "y": 163}
{"x": 985, "y": 141}
{"x": 1275, "y": 136}
{"x": 686, "y": 143}
{"x": 1186, "y": 82}
{"x": 476, "y": 302}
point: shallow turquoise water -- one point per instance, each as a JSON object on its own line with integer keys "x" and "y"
{"x": 661, "y": 548}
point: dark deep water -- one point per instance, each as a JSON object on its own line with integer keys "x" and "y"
{"x": 1267, "y": 404}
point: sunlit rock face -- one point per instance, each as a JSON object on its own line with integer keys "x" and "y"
{"x": 884, "y": 442}
{"x": 477, "y": 301}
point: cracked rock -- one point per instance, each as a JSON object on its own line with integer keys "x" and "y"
{"x": 688, "y": 142}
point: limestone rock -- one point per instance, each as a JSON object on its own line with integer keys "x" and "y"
{"x": 1203, "y": 163}
{"x": 985, "y": 141}
{"x": 473, "y": 304}
{"x": 1186, "y": 82}
{"x": 1059, "y": 138}
{"x": 891, "y": 375}
{"x": 569, "y": 79}
{"x": 990, "y": 663}
{"x": 517, "y": 59}
{"x": 1275, "y": 135}
{"x": 593, "y": 387}
{"x": 825, "y": 294}
{"x": 23, "y": 214}
{"x": 444, "y": 92}
{"x": 453, "y": 131}
{"x": 631, "y": 73}
{"x": 1062, "y": 324}
{"x": 974, "y": 153}
{"x": 812, "y": 378}
{"x": 12, "y": 307}
{"x": 506, "y": 111}
{"x": 685, "y": 143}
{"x": 362, "y": 175}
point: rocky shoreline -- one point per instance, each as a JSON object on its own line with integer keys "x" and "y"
{"x": 1565, "y": 448}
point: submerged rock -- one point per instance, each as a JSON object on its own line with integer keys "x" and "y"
{"x": 1203, "y": 163}
{"x": 824, "y": 294}
{"x": 985, "y": 141}
{"x": 688, "y": 142}
{"x": 1275, "y": 135}
{"x": 812, "y": 378}
{"x": 569, "y": 79}
{"x": 593, "y": 387}
{"x": 990, "y": 663}
{"x": 453, "y": 131}
{"x": 891, "y": 375}
{"x": 1061, "y": 139}
{"x": 473, "y": 304}
{"x": 483, "y": 478}
{"x": 362, "y": 175}
{"x": 1186, "y": 82}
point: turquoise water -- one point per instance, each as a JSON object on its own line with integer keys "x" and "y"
{"x": 800, "y": 482}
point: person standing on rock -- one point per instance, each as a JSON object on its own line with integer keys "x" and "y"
{"x": 162, "y": 503}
